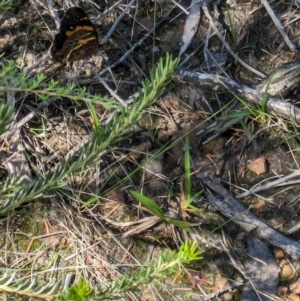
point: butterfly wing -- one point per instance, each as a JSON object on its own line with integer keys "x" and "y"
{"x": 77, "y": 38}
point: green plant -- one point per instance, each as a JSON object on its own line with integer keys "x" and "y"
{"x": 188, "y": 197}
{"x": 257, "y": 112}
{"x": 12, "y": 80}
{"x": 262, "y": 109}
{"x": 80, "y": 291}
{"x": 167, "y": 264}
{"x": 6, "y": 6}
{"x": 233, "y": 29}
{"x": 102, "y": 138}
{"x": 187, "y": 201}
{"x": 6, "y": 115}
{"x": 156, "y": 210}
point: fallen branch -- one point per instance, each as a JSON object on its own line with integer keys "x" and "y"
{"x": 238, "y": 213}
{"x": 217, "y": 83}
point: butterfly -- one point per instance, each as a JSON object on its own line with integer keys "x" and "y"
{"x": 77, "y": 38}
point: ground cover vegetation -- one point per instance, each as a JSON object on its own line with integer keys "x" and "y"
{"x": 162, "y": 167}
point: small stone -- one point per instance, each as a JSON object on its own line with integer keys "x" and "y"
{"x": 278, "y": 254}
{"x": 220, "y": 282}
{"x": 227, "y": 296}
{"x": 258, "y": 166}
{"x": 286, "y": 271}
{"x": 282, "y": 290}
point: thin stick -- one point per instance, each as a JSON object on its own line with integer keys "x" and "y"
{"x": 112, "y": 93}
{"x": 270, "y": 185}
{"x": 105, "y": 39}
{"x": 27, "y": 118}
{"x": 223, "y": 290}
{"x": 181, "y": 7}
{"x": 107, "y": 11}
{"x": 212, "y": 24}
{"x": 125, "y": 55}
{"x": 278, "y": 25}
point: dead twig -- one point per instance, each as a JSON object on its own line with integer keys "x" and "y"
{"x": 239, "y": 214}
{"x": 280, "y": 182}
{"x": 27, "y": 118}
{"x": 105, "y": 39}
{"x": 112, "y": 93}
{"x": 122, "y": 58}
{"x": 218, "y": 83}
{"x": 223, "y": 290}
{"x": 278, "y": 25}
{"x": 212, "y": 24}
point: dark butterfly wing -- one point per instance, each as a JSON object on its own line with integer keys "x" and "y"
{"x": 80, "y": 45}
{"x": 77, "y": 38}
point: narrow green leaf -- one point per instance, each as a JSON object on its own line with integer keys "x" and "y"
{"x": 149, "y": 204}
{"x": 187, "y": 170}
{"x": 178, "y": 223}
